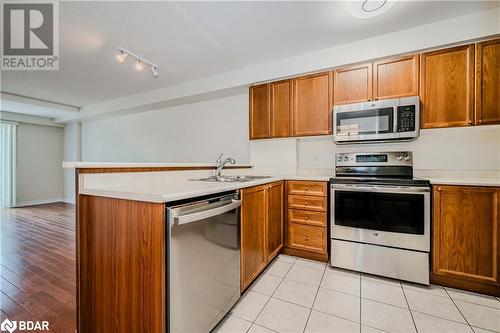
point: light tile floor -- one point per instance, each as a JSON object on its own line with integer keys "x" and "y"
{"x": 298, "y": 295}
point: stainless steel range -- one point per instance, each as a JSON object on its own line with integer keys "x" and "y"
{"x": 380, "y": 216}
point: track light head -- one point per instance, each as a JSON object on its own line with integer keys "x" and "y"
{"x": 138, "y": 65}
{"x": 122, "y": 57}
{"x": 154, "y": 71}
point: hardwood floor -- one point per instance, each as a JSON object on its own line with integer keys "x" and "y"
{"x": 37, "y": 265}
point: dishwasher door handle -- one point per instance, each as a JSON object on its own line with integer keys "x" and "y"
{"x": 183, "y": 219}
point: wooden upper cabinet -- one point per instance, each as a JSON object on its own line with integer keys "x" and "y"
{"x": 353, "y": 84}
{"x": 274, "y": 219}
{"x": 395, "y": 77}
{"x": 253, "y": 233}
{"x": 312, "y": 107}
{"x": 447, "y": 87}
{"x": 281, "y": 108}
{"x": 466, "y": 233}
{"x": 260, "y": 111}
{"x": 488, "y": 82}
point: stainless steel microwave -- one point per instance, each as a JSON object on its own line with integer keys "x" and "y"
{"x": 377, "y": 121}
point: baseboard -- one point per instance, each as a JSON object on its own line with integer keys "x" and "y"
{"x": 69, "y": 200}
{"x": 38, "y": 202}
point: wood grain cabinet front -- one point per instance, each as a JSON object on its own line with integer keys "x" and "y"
{"x": 312, "y": 107}
{"x": 261, "y": 229}
{"x": 466, "y": 237}
{"x": 447, "y": 87}
{"x": 488, "y": 82}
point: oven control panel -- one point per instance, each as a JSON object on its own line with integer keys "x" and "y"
{"x": 393, "y": 158}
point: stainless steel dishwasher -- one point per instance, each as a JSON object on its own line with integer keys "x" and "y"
{"x": 203, "y": 281}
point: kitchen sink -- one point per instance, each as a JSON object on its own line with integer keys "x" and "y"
{"x": 230, "y": 179}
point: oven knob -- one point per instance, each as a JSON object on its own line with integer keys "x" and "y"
{"x": 407, "y": 158}
{"x": 399, "y": 157}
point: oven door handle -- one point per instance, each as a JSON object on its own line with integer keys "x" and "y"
{"x": 382, "y": 189}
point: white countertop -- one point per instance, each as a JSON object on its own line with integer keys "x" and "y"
{"x": 167, "y": 186}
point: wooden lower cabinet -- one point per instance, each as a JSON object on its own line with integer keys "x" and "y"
{"x": 306, "y": 227}
{"x": 261, "y": 229}
{"x": 466, "y": 233}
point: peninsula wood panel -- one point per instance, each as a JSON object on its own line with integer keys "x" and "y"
{"x": 274, "y": 241}
{"x": 281, "y": 108}
{"x": 488, "y": 82}
{"x": 312, "y": 107}
{"x": 396, "y": 77}
{"x": 253, "y": 233}
{"x": 353, "y": 84}
{"x": 466, "y": 235}
{"x": 447, "y": 87}
{"x": 121, "y": 265}
{"x": 260, "y": 111}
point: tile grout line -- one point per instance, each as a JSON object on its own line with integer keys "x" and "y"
{"x": 408, "y": 304}
{"x": 314, "y": 300}
{"x": 270, "y": 297}
{"x": 446, "y": 291}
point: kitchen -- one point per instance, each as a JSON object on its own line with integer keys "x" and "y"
{"x": 358, "y": 192}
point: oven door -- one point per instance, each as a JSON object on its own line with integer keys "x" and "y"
{"x": 364, "y": 125}
{"x": 384, "y": 215}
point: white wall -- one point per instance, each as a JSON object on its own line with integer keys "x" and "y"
{"x": 195, "y": 132}
{"x": 72, "y": 152}
{"x": 39, "y": 165}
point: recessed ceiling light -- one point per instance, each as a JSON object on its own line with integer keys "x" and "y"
{"x": 370, "y": 8}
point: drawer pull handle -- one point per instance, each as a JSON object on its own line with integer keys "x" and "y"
{"x": 307, "y": 237}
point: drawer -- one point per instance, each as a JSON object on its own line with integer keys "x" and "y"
{"x": 307, "y": 217}
{"x": 307, "y": 238}
{"x": 307, "y": 188}
{"x": 307, "y": 202}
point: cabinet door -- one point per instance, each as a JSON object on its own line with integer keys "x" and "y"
{"x": 395, "y": 77}
{"x": 353, "y": 84}
{"x": 281, "y": 109}
{"x": 274, "y": 219}
{"x": 312, "y": 110}
{"x": 253, "y": 233}
{"x": 447, "y": 87}
{"x": 466, "y": 233}
{"x": 488, "y": 82}
{"x": 260, "y": 108}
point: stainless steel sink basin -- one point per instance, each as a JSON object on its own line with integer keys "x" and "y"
{"x": 231, "y": 179}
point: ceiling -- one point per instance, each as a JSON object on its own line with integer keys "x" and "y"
{"x": 190, "y": 40}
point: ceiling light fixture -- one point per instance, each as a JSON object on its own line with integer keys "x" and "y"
{"x": 124, "y": 54}
{"x": 154, "y": 71}
{"x": 370, "y": 8}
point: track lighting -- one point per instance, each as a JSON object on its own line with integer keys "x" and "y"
{"x": 122, "y": 57}
{"x": 154, "y": 71}
{"x": 138, "y": 65}
{"x": 124, "y": 54}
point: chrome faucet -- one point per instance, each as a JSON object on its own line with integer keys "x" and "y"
{"x": 219, "y": 163}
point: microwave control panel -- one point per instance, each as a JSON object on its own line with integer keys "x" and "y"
{"x": 406, "y": 118}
